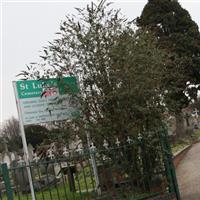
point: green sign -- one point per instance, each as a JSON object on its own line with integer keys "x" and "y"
{"x": 46, "y": 100}
{"x": 36, "y": 88}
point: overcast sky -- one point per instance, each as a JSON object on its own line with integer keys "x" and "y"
{"x": 28, "y": 25}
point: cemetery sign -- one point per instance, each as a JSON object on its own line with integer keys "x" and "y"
{"x": 41, "y": 101}
{"x": 46, "y": 100}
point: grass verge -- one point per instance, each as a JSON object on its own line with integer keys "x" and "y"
{"x": 188, "y": 139}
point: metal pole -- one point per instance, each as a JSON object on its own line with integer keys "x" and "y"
{"x": 172, "y": 168}
{"x": 94, "y": 166}
{"x": 26, "y": 155}
{"x": 6, "y": 179}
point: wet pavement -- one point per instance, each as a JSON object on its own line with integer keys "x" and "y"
{"x": 188, "y": 174}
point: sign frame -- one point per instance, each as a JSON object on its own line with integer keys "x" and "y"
{"x": 39, "y": 99}
{"x": 22, "y": 131}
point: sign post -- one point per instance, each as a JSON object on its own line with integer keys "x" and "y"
{"x": 25, "y": 147}
{"x": 37, "y": 102}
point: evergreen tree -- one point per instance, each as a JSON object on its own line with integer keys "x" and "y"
{"x": 36, "y": 134}
{"x": 177, "y": 33}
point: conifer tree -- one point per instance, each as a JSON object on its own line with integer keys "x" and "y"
{"x": 177, "y": 33}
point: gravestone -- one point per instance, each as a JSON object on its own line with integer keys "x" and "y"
{"x": 30, "y": 152}
{"x": 21, "y": 176}
{"x": 12, "y": 156}
{"x": 6, "y": 155}
{"x": 57, "y": 169}
{"x": 6, "y": 158}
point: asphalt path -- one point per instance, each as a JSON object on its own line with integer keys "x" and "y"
{"x": 188, "y": 174}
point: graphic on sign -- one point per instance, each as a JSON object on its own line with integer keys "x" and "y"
{"x": 46, "y": 100}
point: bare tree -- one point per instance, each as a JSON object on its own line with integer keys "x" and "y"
{"x": 10, "y": 133}
{"x": 10, "y": 127}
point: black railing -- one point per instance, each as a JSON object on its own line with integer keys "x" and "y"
{"x": 131, "y": 170}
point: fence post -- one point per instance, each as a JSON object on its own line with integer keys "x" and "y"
{"x": 6, "y": 179}
{"x": 95, "y": 171}
{"x": 94, "y": 166}
{"x": 170, "y": 165}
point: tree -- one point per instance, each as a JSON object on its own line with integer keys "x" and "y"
{"x": 120, "y": 72}
{"x": 10, "y": 133}
{"x": 178, "y": 34}
{"x": 11, "y": 127}
{"x": 36, "y": 134}
{"x": 196, "y": 105}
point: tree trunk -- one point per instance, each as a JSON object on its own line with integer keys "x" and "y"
{"x": 187, "y": 121}
{"x": 180, "y": 125}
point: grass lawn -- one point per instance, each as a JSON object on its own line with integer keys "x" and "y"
{"x": 57, "y": 193}
{"x": 84, "y": 185}
{"x": 187, "y": 140}
{"x": 64, "y": 194}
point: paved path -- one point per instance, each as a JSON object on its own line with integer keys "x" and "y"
{"x": 188, "y": 174}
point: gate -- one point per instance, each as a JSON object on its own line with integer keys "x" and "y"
{"x": 133, "y": 169}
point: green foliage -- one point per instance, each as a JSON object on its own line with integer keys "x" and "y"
{"x": 180, "y": 145}
{"x": 176, "y": 33}
{"x": 197, "y": 133}
{"x": 196, "y": 104}
{"x": 36, "y": 134}
{"x": 190, "y": 138}
{"x": 120, "y": 71}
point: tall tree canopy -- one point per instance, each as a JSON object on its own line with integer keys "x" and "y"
{"x": 120, "y": 71}
{"x": 176, "y": 32}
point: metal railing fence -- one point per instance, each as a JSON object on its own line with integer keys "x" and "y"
{"x": 131, "y": 169}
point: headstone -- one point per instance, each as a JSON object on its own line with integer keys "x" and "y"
{"x": 36, "y": 158}
{"x": 171, "y": 125}
{"x": 30, "y": 152}
{"x": 57, "y": 169}
{"x": 195, "y": 115}
{"x": 6, "y": 158}
{"x": 5, "y": 146}
{"x": 12, "y": 156}
{"x": 43, "y": 168}
{"x": 50, "y": 169}
{"x": 21, "y": 176}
